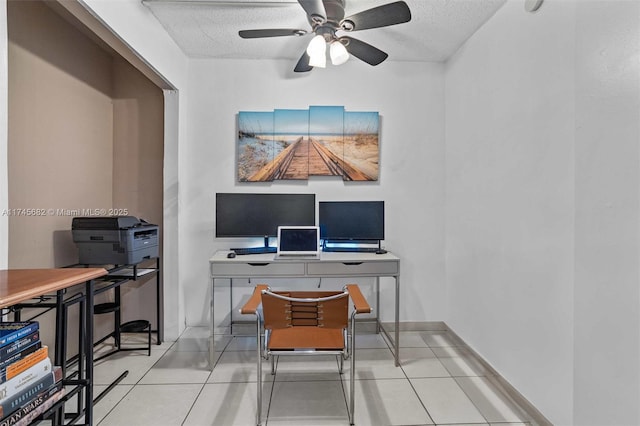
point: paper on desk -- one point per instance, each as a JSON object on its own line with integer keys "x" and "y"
{"x": 128, "y": 272}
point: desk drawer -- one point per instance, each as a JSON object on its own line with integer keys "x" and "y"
{"x": 257, "y": 269}
{"x": 352, "y": 268}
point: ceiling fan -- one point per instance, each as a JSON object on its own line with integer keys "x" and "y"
{"x": 327, "y": 18}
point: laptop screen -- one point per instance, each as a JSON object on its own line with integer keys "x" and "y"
{"x": 298, "y": 240}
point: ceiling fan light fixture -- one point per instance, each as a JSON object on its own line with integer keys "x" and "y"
{"x": 317, "y": 51}
{"x": 338, "y": 53}
{"x": 317, "y": 46}
{"x": 319, "y": 61}
{"x": 326, "y": 18}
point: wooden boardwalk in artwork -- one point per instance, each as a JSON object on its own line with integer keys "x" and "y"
{"x": 304, "y": 158}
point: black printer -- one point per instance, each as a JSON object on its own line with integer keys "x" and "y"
{"x": 114, "y": 240}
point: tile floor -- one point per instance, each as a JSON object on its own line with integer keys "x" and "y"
{"x": 439, "y": 382}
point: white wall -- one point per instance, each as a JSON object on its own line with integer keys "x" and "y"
{"x": 607, "y": 189}
{"x": 542, "y": 204}
{"x": 409, "y": 98}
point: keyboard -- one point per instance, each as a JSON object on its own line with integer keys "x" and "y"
{"x": 351, "y": 249}
{"x": 254, "y": 250}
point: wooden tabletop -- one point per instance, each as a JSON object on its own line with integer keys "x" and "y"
{"x": 18, "y": 285}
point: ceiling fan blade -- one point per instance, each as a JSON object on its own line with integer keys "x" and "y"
{"x": 303, "y": 64}
{"x": 271, "y": 33}
{"x": 364, "y": 51}
{"x": 381, "y": 16}
{"x": 313, "y": 7}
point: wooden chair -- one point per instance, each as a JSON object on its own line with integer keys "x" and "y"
{"x": 305, "y": 323}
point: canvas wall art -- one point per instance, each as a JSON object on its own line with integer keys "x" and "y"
{"x": 293, "y": 144}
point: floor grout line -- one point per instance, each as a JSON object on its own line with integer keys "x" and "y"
{"x": 237, "y": 344}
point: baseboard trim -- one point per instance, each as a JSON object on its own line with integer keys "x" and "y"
{"x": 534, "y": 416}
{"x": 530, "y": 410}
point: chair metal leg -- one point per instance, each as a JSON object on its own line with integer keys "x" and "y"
{"x": 149, "y": 341}
{"x": 259, "y": 378}
{"x": 273, "y": 365}
{"x": 352, "y": 373}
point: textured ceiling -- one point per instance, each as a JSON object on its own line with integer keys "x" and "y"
{"x": 209, "y": 28}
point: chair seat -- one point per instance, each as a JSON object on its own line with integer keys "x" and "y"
{"x": 301, "y": 337}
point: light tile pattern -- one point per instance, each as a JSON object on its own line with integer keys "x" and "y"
{"x": 439, "y": 382}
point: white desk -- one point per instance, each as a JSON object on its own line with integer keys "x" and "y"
{"x": 330, "y": 265}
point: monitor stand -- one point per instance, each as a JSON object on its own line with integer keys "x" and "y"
{"x": 256, "y": 250}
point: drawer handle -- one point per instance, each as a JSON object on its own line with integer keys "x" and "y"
{"x": 258, "y": 263}
{"x": 352, "y": 263}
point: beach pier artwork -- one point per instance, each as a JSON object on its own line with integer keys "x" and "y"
{"x": 297, "y": 144}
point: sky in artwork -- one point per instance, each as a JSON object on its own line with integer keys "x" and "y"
{"x": 258, "y": 122}
{"x": 315, "y": 120}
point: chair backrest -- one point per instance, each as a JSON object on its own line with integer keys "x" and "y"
{"x": 283, "y": 309}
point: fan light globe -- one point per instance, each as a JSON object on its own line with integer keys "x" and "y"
{"x": 338, "y": 52}
{"x": 316, "y": 46}
{"x": 318, "y": 61}
{"x": 317, "y": 52}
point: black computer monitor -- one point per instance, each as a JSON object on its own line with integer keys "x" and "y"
{"x": 259, "y": 215}
{"x": 351, "y": 220}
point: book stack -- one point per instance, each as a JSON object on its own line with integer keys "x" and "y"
{"x": 29, "y": 383}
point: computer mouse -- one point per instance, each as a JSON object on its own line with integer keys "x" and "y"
{"x": 381, "y": 251}
{"x": 231, "y": 255}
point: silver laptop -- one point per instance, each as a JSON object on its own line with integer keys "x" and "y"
{"x": 298, "y": 242}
